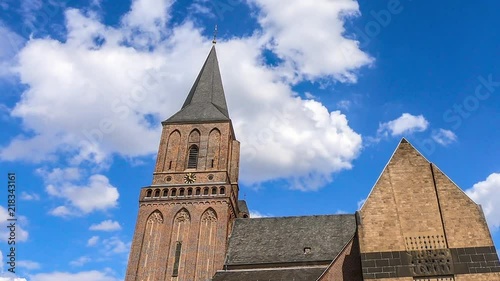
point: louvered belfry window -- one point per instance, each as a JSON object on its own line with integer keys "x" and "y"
{"x": 193, "y": 157}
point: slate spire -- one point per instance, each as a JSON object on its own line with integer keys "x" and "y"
{"x": 206, "y": 101}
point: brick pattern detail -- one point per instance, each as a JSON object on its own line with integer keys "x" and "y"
{"x": 347, "y": 266}
{"x": 405, "y": 264}
{"x": 425, "y": 242}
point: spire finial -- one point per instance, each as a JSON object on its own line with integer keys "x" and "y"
{"x": 215, "y": 35}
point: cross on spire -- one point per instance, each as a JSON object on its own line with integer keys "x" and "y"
{"x": 215, "y": 35}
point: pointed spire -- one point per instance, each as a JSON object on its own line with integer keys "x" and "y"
{"x": 206, "y": 100}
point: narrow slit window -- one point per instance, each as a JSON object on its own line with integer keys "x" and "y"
{"x": 170, "y": 165}
{"x": 193, "y": 157}
{"x": 212, "y": 163}
{"x": 178, "y": 247}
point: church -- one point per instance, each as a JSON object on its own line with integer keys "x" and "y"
{"x": 416, "y": 223}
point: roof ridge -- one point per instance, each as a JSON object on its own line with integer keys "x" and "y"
{"x": 306, "y": 216}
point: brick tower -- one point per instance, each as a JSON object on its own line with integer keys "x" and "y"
{"x": 186, "y": 215}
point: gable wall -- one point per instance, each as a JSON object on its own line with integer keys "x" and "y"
{"x": 417, "y": 222}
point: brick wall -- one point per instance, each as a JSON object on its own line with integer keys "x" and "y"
{"x": 404, "y": 194}
{"x": 226, "y": 160}
{"x": 464, "y": 221}
{"x": 347, "y": 266}
{"x": 478, "y": 277}
{"x": 164, "y": 262}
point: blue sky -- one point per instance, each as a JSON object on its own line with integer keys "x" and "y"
{"x": 320, "y": 94}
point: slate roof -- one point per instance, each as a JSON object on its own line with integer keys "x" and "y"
{"x": 282, "y": 274}
{"x": 283, "y": 239}
{"x": 206, "y": 100}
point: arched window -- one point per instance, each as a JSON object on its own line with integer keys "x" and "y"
{"x": 213, "y": 150}
{"x": 152, "y": 242}
{"x": 157, "y": 193}
{"x": 149, "y": 192}
{"x": 172, "y": 153}
{"x": 205, "y": 191}
{"x": 214, "y": 190}
{"x": 174, "y": 192}
{"x": 181, "y": 192}
{"x": 198, "y": 191}
{"x": 222, "y": 190}
{"x": 193, "y": 157}
{"x": 190, "y": 191}
{"x": 207, "y": 237}
{"x": 165, "y": 192}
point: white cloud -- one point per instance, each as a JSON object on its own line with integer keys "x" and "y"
{"x": 444, "y": 137}
{"x": 93, "y": 241}
{"x": 360, "y": 203}
{"x": 405, "y": 124}
{"x": 148, "y": 15}
{"x": 30, "y": 10}
{"x": 58, "y": 175}
{"x": 29, "y": 196}
{"x": 257, "y": 214}
{"x": 62, "y": 211}
{"x": 107, "y": 225}
{"x": 30, "y": 265}
{"x": 10, "y": 45}
{"x": 3, "y": 278}
{"x": 21, "y": 234}
{"x": 97, "y": 194}
{"x": 80, "y": 276}
{"x": 115, "y": 245}
{"x": 487, "y": 193}
{"x": 323, "y": 52}
{"x": 344, "y": 104}
{"x": 282, "y": 135}
{"x": 81, "y": 261}
{"x": 5, "y": 275}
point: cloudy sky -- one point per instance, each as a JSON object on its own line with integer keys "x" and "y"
{"x": 320, "y": 94}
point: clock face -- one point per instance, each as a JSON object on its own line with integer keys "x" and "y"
{"x": 189, "y": 178}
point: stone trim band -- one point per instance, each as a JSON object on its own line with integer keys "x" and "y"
{"x": 439, "y": 262}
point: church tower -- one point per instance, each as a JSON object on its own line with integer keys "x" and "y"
{"x": 186, "y": 215}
